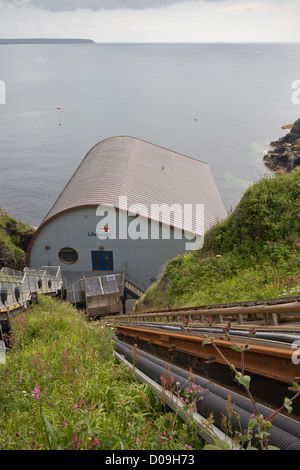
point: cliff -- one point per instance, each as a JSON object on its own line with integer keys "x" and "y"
{"x": 285, "y": 155}
{"x": 14, "y": 240}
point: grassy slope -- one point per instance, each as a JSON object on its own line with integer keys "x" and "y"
{"x": 61, "y": 388}
{"x": 14, "y": 239}
{"x": 254, "y": 254}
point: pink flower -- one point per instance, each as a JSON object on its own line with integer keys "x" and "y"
{"x": 75, "y": 406}
{"x": 75, "y": 442}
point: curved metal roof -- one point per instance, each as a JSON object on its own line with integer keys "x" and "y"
{"x": 143, "y": 172}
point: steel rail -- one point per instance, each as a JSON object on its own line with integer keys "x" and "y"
{"x": 269, "y": 312}
{"x": 269, "y": 360}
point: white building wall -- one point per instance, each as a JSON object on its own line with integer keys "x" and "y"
{"x": 144, "y": 258}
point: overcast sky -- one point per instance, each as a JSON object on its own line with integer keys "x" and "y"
{"x": 152, "y": 20}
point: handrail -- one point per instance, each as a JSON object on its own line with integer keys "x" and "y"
{"x": 269, "y": 313}
{"x": 131, "y": 278}
{"x": 16, "y": 287}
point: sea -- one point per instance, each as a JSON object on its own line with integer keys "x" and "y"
{"x": 220, "y": 103}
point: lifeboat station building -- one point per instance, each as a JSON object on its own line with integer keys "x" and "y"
{"x": 129, "y": 205}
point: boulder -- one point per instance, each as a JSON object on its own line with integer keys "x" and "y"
{"x": 285, "y": 155}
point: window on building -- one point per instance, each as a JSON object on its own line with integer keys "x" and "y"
{"x": 102, "y": 260}
{"x": 68, "y": 255}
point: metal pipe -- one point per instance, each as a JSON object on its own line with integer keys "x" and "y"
{"x": 211, "y": 403}
{"x": 207, "y": 430}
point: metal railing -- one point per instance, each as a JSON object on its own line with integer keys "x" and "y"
{"x": 130, "y": 278}
{"x": 268, "y": 313}
{"x": 16, "y": 287}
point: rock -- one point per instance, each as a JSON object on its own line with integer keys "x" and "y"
{"x": 286, "y": 154}
{"x": 296, "y": 128}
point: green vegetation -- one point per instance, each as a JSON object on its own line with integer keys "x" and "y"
{"x": 61, "y": 388}
{"x": 14, "y": 239}
{"x": 254, "y": 254}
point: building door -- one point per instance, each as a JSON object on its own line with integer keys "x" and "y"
{"x": 102, "y": 260}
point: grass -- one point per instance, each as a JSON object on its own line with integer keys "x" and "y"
{"x": 252, "y": 255}
{"x": 14, "y": 239}
{"x": 61, "y": 388}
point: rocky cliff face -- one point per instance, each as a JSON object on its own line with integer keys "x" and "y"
{"x": 14, "y": 239}
{"x": 285, "y": 155}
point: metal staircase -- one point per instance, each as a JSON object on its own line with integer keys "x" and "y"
{"x": 132, "y": 288}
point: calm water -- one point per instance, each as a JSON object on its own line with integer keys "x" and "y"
{"x": 222, "y": 104}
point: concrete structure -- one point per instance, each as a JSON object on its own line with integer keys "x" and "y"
{"x": 130, "y": 204}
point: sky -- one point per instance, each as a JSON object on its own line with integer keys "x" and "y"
{"x": 152, "y": 21}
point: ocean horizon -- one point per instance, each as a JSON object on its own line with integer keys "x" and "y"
{"x": 222, "y": 103}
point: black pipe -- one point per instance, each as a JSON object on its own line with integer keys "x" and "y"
{"x": 270, "y": 336}
{"x": 156, "y": 368}
{"x": 283, "y": 422}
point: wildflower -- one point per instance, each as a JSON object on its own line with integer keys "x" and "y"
{"x": 75, "y": 406}
{"x": 94, "y": 443}
{"x": 75, "y": 443}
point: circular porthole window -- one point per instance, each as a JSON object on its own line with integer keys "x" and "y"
{"x": 68, "y": 255}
